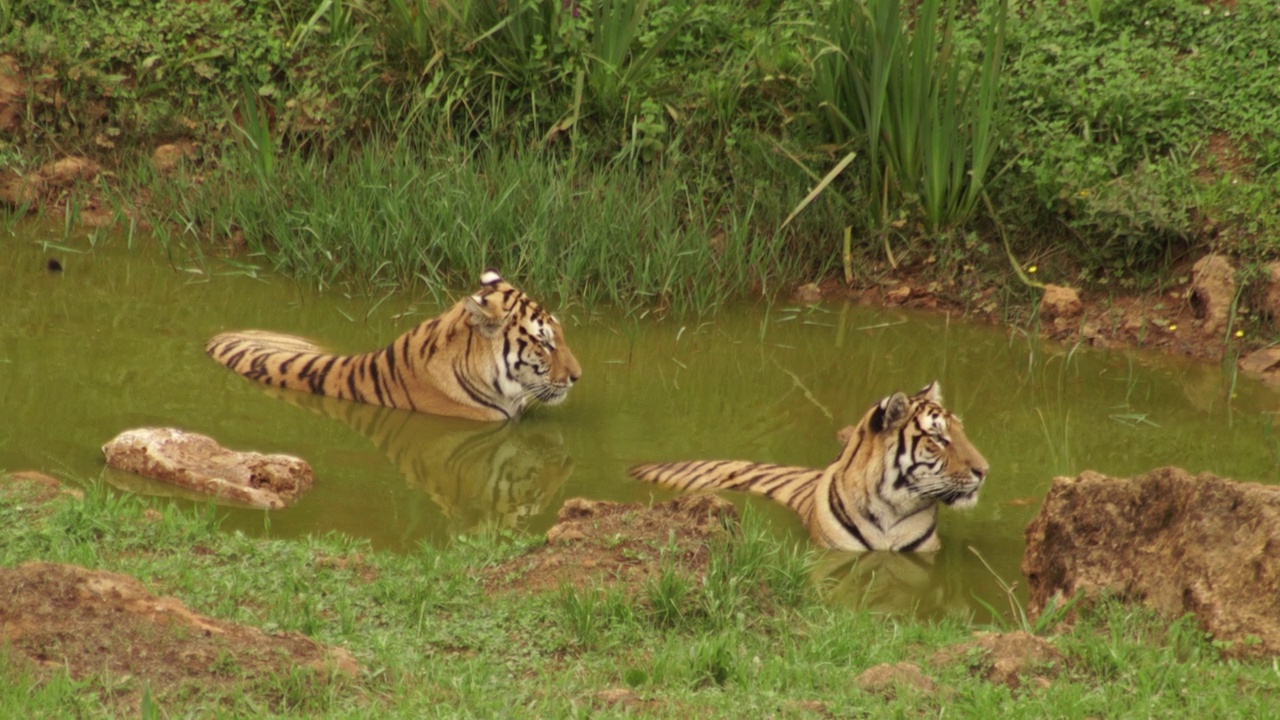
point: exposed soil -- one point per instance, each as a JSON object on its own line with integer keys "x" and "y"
{"x": 34, "y": 490}
{"x": 106, "y": 628}
{"x": 1165, "y": 321}
{"x": 1016, "y": 659}
{"x": 598, "y": 544}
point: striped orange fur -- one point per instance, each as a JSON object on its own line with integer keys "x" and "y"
{"x": 489, "y": 357}
{"x": 906, "y": 455}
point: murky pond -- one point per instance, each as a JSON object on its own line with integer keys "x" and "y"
{"x": 115, "y": 341}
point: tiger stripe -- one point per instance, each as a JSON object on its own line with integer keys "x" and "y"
{"x": 906, "y": 456}
{"x": 488, "y": 357}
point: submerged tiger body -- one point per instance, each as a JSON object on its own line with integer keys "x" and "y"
{"x": 906, "y": 455}
{"x": 480, "y": 475}
{"x": 489, "y": 357}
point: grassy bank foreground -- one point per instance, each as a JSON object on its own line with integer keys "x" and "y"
{"x": 435, "y": 634}
{"x": 656, "y": 154}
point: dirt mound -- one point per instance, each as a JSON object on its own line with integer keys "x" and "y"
{"x": 34, "y": 487}
{"x": 603, "y": 543}
{"x": 97, "y": 623}
{"x": 1012, "y": 659}
{"x": 1176, "y": 542}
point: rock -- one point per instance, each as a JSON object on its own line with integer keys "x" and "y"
{"x": 1264, "y": 363}
{"x": 1177, "y": 543}
{"x": 68, "y": 170}
{"x": 166, "y": 157}
{"x": 13, "y": 94}
{"x": 1006, "y": 658}
{"x": 1060, "y": 303}
{"x": 885, "y": 680}
{"x": 198, "y": 462}
{"x": 52, "y": 177}
{"x": 898, "y": 295}
{"x": 808, "y": 294}
{"x": 1213, "y": 289}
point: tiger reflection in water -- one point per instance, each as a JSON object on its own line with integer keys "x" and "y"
{"x": 920, "y": 585}
{"x": 483, "y": 476}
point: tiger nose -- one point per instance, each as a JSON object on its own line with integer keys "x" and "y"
{"x": 980, "y": 472}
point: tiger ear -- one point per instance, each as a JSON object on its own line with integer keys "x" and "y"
{"x": 891, "y": 413}
{"x": 484, "y": 313}
{"x": 931, "y": 392}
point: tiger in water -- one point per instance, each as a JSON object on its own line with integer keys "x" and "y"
{"x": 906, "y": 455}
{"x": 489, "y": 357}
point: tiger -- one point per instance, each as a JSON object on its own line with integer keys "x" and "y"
{"x": 489, "y": 357}
{"x": 905, "y": 456}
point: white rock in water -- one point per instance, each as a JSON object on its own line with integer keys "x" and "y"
{"x": 197, "y": 462}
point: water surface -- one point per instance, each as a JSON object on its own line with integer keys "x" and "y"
{"x": 115, "y": 341}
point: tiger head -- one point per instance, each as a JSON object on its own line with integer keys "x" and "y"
{"x": 535, "y": 361}
{"x": 927, "y": 457}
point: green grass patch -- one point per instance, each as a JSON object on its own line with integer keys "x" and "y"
{"x": 648, "y": 153}
{"x": 752, "y": 637}
{"x": 392, "y": 217}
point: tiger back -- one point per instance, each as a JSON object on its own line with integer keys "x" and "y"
{"x": 905, "y": 456}
{"x": 488, "y": 357}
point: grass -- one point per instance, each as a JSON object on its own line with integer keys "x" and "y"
{"x": 649, "y": 153}
{"x": 398, "y": 218}
{"x": 431, "y": 642}
{"x": 893, "y": 78}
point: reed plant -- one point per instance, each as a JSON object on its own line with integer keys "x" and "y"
{"x": 260, "y": 142}
{"x": 615, "y": 65}
{"x": 896, "y": 83}
{"x": 526, "y": 39}
{"x": 390, "y": 216}
{"x": 417, "y": 31}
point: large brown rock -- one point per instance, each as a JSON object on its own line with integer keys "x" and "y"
{"x": 166, "y": 158}
{"x": 1176, "y": 542}
{"x": 1264, "y": 364}
{"x": 1060, "y": 302}
{"x": 1213, "y": 289}
{"x": 199, "y": 463}
{"x": 47, "y": 181}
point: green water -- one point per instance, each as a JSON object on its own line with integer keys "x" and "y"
{"x": 115, "y": 341}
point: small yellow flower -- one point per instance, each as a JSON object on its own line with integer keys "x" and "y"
{"x": 1031, "y": 269}
{"x": 1239, "y": 333}
{"x": 1173, "y": 327}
